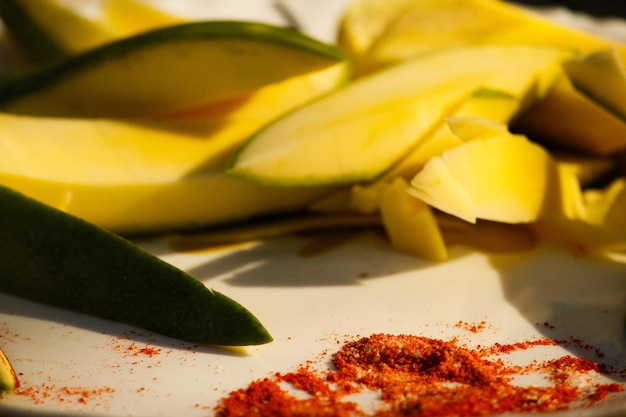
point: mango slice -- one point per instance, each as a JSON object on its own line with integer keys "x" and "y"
{"x": 129, "y": 17}
{"x": 498, "y": 106}
{"x": 499, "y": 177}
{"x": 378, "y": 33}
{"x": 60, "y": 260}
{"x": 607, "y": 207}
{"x": 567, "y": 119}
{"x": 361, "y": 130}
{"x": 495, "y": 105}
{"x": 53, "y": 29}
{"x": 139, "y": 176}
{"x": 8, "y": 378}
{"x": 410, "y": 223}
{"x": 198, "y": 64}
{"x": 48, "y": 29}
{"x": 601, "y": 76}
{"x": 382, "y": 32}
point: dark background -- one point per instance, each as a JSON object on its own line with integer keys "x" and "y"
{"x": 600, "y": 8}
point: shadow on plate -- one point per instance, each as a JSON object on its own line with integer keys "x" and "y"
{"x": 580, "y": 301}
{"x": 309, "y": 260}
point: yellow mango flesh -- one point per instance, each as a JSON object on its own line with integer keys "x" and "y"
{"x": 607, "y": 207}
{"x": 567, "y": 119}
{"x": 135, "y": 176}
{"x": 377, "y": 119}
{"x": 8, "y": 378}
{"x": 73, "y": 29}
{"x": 498, "y": 107}
{"x": 133, "y": 179}
{"x": 405, "y": 28}
{"x": 126, "y": 17}
{"x": 128, "y": 86}
{"x": 503, "y": 178}
{"x": 602, "y": 77}
{"x": 413, "y": 27}
{"x": 411, "y": 224}
{"x": 484, "y": 104}
{"x": 363, "y": 22}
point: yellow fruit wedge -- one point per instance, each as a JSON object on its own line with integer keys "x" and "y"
{"x": 588, "y": 170}
{"x": 381, "y": 32}
{"x": 569, "y": 120}
{"x": 607, "y": 207}
{"x": 410, "y": 223}
{"x": 363, "y": 22}
{"x": 148, "y": 176}
{"x": 198, "y": 64}
{"x": 503, "y": 178}
{"x": 495, "y": 105}
{"x": 49, "y": 29}
{"x": 8, "y": 378}
{"x": 601, "y": 76}
{"x": 132, "y": 178}
{"x": 571, "y": 193}
{"x": 127, "y": 17}
{"x": 576, "y": 175}
{"x": 402, "y": 29}
{"x": 359, "y": 131}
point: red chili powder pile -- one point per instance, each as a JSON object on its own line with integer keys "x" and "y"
{"x": 420, "y": 376}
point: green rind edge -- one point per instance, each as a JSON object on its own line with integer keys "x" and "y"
{"x": 53, "y": 258}
{"x": 49, "y": 74}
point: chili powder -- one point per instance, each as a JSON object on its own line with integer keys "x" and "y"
{"x": 425, "y": 377}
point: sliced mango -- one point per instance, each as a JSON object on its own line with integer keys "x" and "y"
{"x": 494, "y": 105}
{"x": 361, "y": 130}
{"x": 148, "y": 176}
{"x": 410, "y": 223}
{"x": 401, "y": 29}
{"x": 8, "y": 377}
{"x": 363, "y": 22}
{"x": 169, "y": 70}
{"x": 382, "y": 32}
{"x": 498, "y": 106}
{"x": 59, "y": 260}
{"x": 569, "y": 120}
{"x": 53, "y": 29}
{"x": 128, "y": 17}
{"x": 133, "y": 178}
{"x": 48, "y": 29}
{"x": 607, "y": 207}
{"x": 601, "y": 76}
{"x": 503, "y": 178}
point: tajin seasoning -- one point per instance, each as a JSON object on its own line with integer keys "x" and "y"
{"x": 419, "y": 376}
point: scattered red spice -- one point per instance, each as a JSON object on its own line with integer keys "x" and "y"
{"x": 472, "y": 327}
{"x": 128, "y": 347}
{"x": 420, "y": 376}
{"x": 62, "y": 394}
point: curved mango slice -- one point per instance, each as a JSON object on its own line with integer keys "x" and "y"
{"x": 500, "y": 177}
{"x": 138, "y": 176}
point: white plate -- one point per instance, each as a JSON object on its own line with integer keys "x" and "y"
{"x": 313, "y": 293}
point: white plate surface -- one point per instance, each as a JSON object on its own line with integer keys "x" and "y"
{"x": 313, "y": 293}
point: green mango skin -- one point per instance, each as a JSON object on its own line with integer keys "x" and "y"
{"x": 167, "y": 70}
{"x": 51, "y": 257}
